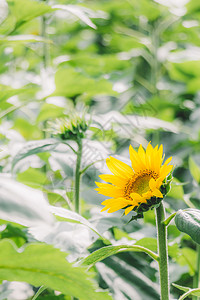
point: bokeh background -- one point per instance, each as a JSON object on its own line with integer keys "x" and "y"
{"x": 134, "y": 66}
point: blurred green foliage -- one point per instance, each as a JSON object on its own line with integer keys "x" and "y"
{"x": 135, "y": 65}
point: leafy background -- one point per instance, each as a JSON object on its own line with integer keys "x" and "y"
{"x": 135, "y": 66}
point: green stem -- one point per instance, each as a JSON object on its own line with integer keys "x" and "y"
{"x": 196, "y": 278}
{"x": 78, "y": 175}
{"x": 162, "y": 252}
{"x": 77, "y": 180}
{"x": 45, "y": 56}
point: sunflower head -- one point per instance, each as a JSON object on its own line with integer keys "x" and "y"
{"x": 137, "y": 188}
{"x": 71, "y": 127}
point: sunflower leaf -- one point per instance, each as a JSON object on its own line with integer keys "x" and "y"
{"x": 188, "y": 221}
{"x": 41, "y": 264}
{"x": 105, "y": 252}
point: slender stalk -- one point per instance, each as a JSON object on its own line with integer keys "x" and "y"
{"x": 77, "y": 180}
{"x": 45, "y": 55}
{"x": 162, "y": 252}
{"x": 196, "y": 278}
{"x": 78, "y": 175}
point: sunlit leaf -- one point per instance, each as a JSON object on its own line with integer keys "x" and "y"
{"x": 22, "y": 204}
{"x": 40, "y": 264}
{"x": 105, "y": 252}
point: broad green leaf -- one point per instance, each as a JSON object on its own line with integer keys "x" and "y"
{"x": 41, "y": 264}
{"x": 194, "y": 170}
{"x": 105, "y": 252}
{"x": 22, "y": 204}
{"x": 187, "y": 257}
{"x": 25, "y": 10}
{"x": 176, "y": 191}
{"x": 149, "y": 243}
{"x": 27, "y": 130}
{"x": 70, "y": 83}
{"x": 188, "y": 221}
{"x": 33, "y": 178}
{"x": 49, "y": 111}
{"x": 7, "y": 92}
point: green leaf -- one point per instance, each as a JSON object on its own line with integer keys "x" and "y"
{"x": 70, "y": 216}
{"x": 78, "y": 11}
{"x": 22, "y": 204}
{"x": 34, "y": 147}
{"x": 176, "y": 191}
{"x": 23, "y": 11}
{"x": 41, "y": 264}
{"x": 33, "y": 178}
{"x": 194, "y": 170}
{"x": 49, "y": 111}
{"x": 105, "y": 252}
{"x": 188, "y": 221}
{"x": 188, "y": 291}
{"x": 70, "y": 83}
{"x": 149, "y": 243}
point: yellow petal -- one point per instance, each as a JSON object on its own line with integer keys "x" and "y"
{"x": 128, "y": 209}
{"x": 142, "y": 154}
{"x": 116, "y": 180}
{"x": 136, "y": 197}
{"x": 117, "y": 207}
{"x": 136, "y": 162}
{"x": 104, "y": 209}
{"x": 159, "y": 182}
{"x": 160, "y": 152}
{"x": 157, "y": 193}
{"x": 152, "y": 184}
{"x": 168, "y": 160}
{"x": 114, "y": 201}
{"x": 110, "y": 191}
{"x": 165, "y": 170}
{"x": 119, "y": 168}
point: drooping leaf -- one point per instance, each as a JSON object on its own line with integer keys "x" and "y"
{"x": 188, "y": 221}
{"x": 41, "y": 264}
{"x": 105, "y": 252}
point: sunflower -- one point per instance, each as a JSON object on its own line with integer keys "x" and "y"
{"x": 141, "y": 184}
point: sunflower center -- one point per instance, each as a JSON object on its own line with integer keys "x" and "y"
{"x": 139, "y": 183}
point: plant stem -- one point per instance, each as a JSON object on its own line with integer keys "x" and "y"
{"x": 78, "y": 175}
{"x": 196, "y": 279}
{"x": 162, "y": 252}
{"x": 77, "y": 180}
